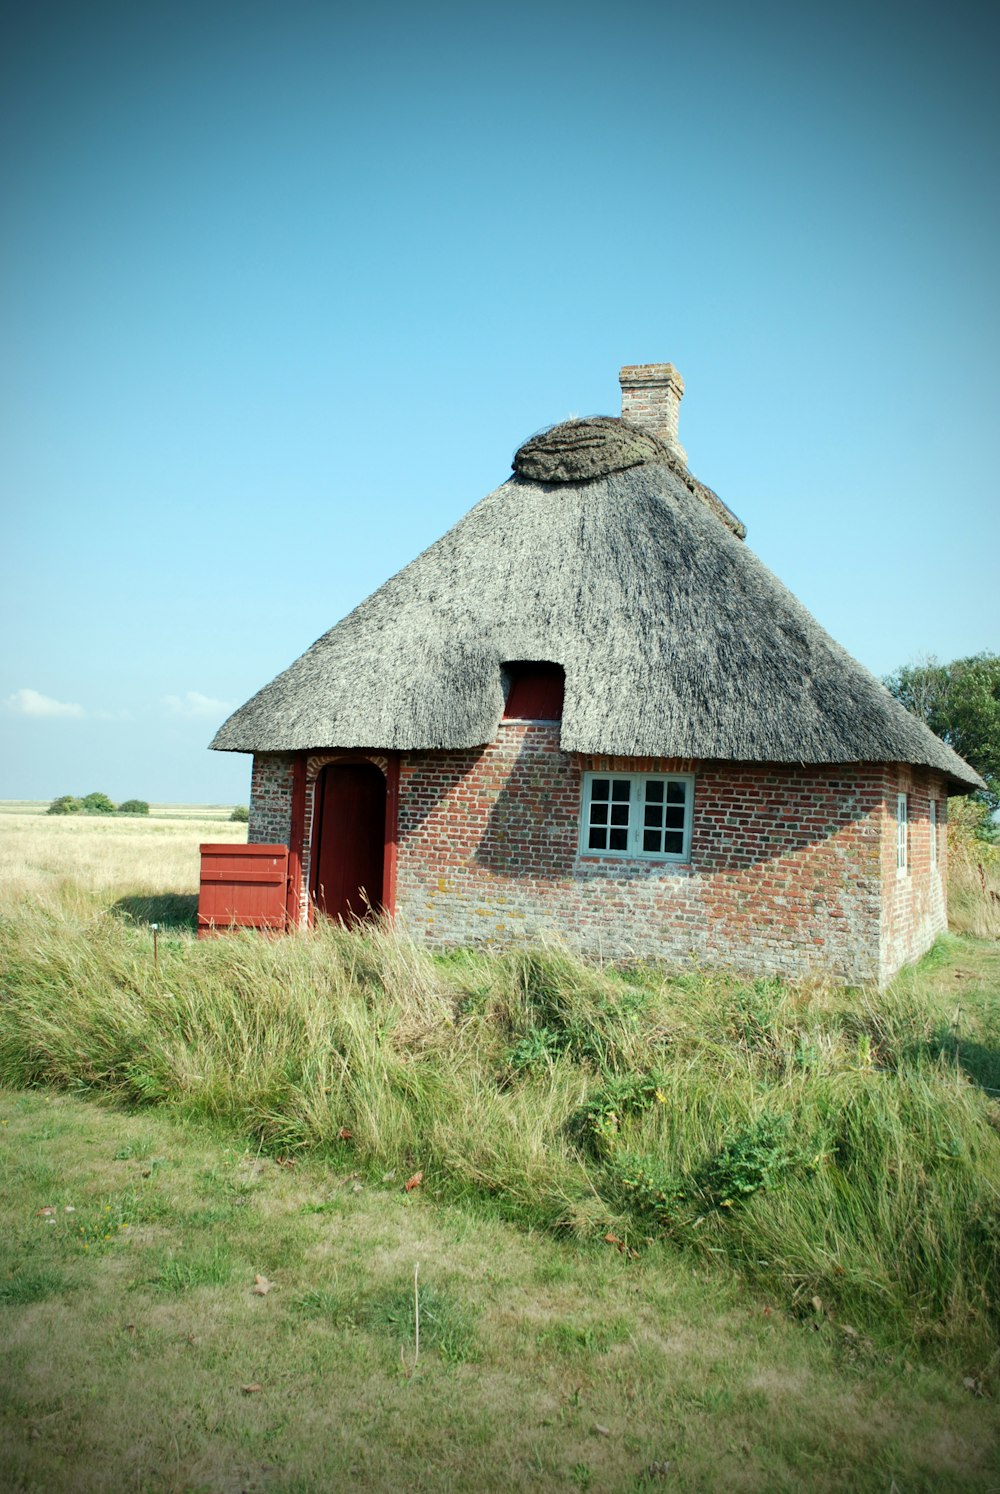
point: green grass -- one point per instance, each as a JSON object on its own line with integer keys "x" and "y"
{"x": 748, "y": 1230}
{"x": 544, "y": 1362}
{"x": 27, "y": 1284}
{"x": 821, "y": 1144}
{"x": 209, "y": 1265}
{"x": 440, "y": 1314}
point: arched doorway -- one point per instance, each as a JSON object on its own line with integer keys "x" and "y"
{"x": 348, "y": 841}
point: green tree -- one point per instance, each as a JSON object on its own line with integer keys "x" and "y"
{"x": 65, "y": 804}
{"x": 97, "y": 804}
{"x": 961, "y": 703}
{"x": 240, "y": 814}
{"x": 133, "y": 806}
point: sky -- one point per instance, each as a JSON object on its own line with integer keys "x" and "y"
{"x": 284, "y": 285}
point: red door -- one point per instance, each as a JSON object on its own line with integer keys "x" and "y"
{"x": 348, "y": 844}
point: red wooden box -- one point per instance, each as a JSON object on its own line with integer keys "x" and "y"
{"x": 242, "y": 887}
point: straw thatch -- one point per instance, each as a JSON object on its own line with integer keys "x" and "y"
{"x": 675, "y": 639}
{"x": 580, "y": 450}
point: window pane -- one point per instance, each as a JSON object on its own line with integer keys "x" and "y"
{"x": 637, "y": 814}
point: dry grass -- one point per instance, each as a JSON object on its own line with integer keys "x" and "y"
{"x": 973, "y": 887}
{"x": 106, "y": 854}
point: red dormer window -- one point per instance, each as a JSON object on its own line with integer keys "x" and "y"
{"x": 534, "y": 691}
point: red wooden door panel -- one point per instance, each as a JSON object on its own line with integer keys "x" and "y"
{"x": 348, "y": 846}
{"x": 242, "y": 887}
{"x": 536, "y": 692}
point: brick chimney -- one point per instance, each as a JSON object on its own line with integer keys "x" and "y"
{"x": 651, "y": 398}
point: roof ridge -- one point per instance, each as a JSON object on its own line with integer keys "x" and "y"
{"x": 594, "y": 446}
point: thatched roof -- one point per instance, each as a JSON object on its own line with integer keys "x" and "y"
{"x": 603, "y": 555}
{"x": 580, "y": 450}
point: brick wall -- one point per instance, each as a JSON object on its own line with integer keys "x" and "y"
{"x": 271, "y": 799}
{"x": 914, "y": 902}
{"x": 786, "y": 869}
{"x": 792, "y": 869}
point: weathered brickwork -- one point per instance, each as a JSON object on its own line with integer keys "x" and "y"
{"x": 785, "y": 873}
{"x": 792, "y": 869}
{"x": 651, "y": 398}
{"x": 914, "y": 901}
{"x": 271, "y": 799}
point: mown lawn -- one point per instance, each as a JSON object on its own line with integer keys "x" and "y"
{"x": 139, "y": 1356}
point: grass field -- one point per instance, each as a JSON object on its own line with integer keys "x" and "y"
{"x": 138, "y": 1355}
{"x": 101, "y": 854}
{"x": 687, "y": 1231}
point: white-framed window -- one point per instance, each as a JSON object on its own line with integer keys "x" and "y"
{"x": 902, "y": 830}
{"x": 637, "y": 814}
{"x": 934, "y": 834}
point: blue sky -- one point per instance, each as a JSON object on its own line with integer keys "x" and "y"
{"x": 284, "y": 286}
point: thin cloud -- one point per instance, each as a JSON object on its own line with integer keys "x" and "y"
{"x": 33, "y": 703}
{"x": 193, "y": 703}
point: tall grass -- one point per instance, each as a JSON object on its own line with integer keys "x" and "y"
{"x": 973, "y": 886}
{"x": 832, "y": 1147}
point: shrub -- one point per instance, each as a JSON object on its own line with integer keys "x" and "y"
{"x": 65, "y": 804}
{"x": 240, "y": 814}
{"x": 133, "y": 806}
{"x": 97, "y": 804}
{"x": 970, "y": 820}
{"x": 757, "y": 1156}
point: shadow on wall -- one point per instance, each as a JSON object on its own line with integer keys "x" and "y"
{"x": 534, "y": 824}
{"x": 169, "y": 910}
{"x": 745, "y": 815}
{"x": 450, "y": 769}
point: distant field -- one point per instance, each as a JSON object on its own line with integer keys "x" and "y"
{"x": 108, "y": 853}
{"x": 156, "y": 811}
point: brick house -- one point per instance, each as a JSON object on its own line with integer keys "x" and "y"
{"x": 589, "y": 709}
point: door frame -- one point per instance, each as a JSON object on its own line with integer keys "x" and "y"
{"x": 305, "y": 773}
